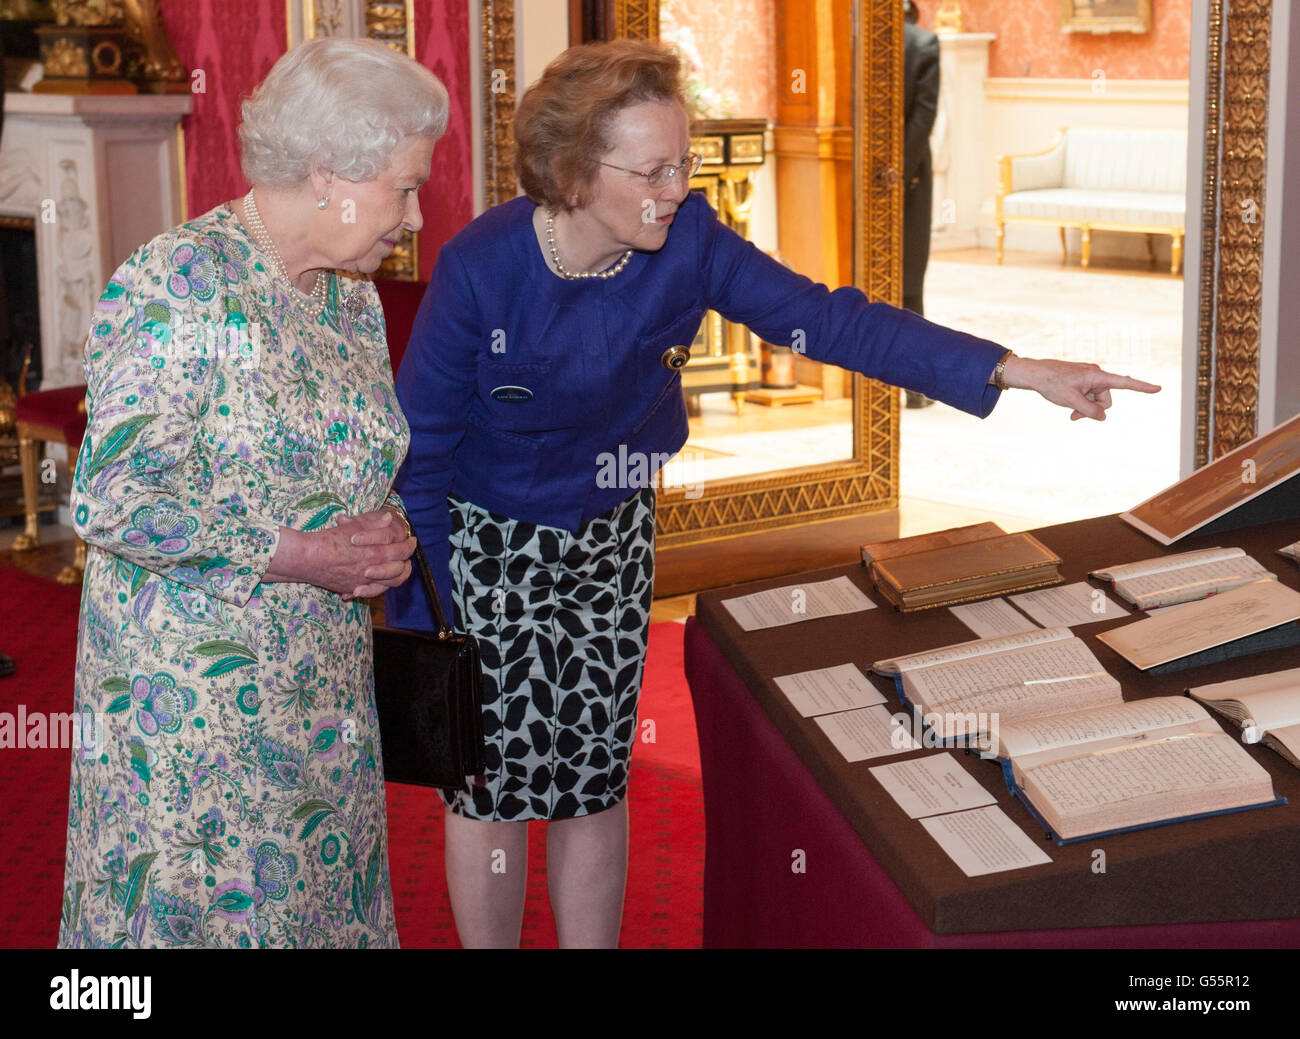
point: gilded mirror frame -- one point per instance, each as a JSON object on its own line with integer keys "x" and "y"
{"x": 867, "y": 482}
{"x": 1230, "y": 287}
{"x": 391, "y": 22}
{"x": 1230, "y": 264}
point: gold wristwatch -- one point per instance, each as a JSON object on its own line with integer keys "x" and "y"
{"x": 999, "y": 377}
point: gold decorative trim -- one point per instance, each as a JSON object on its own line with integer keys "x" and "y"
{"x": 1075, "y": 17}
{"x": 1228, "y": 316}
{"x": 869, "y": 481}
{"x": 181, "y": 172}
{"x": 497, "y": 21}
{"x": 1241, "y": 230}
{"x": 393, "y": 23}
{"x": 1209, "y": 235}
{"x": 636, "y": 19}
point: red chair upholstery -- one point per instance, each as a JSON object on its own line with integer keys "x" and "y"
{"x": 56, "y": 409}
{"x": 400, "y": 300}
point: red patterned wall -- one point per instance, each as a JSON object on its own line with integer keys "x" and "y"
{"x": 235, "y": 42}
{"x": 1030, "y": 44}
{"x": 442, "y": 43}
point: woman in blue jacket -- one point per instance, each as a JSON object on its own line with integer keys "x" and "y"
{"x": 543, "y": 347}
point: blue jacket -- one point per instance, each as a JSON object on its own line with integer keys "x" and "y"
{"x": 586, "y": 357}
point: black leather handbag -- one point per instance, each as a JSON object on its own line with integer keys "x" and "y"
{"x": 428, "y": 695}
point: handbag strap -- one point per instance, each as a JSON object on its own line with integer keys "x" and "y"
{"x": 431, "y": 590}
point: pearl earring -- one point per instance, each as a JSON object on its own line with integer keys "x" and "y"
{"x": 321, "y": 203}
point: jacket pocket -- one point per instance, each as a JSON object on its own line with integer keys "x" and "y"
{"x": 506, "y": 461}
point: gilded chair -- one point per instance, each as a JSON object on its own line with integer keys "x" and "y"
{"x": 48, "y": 416}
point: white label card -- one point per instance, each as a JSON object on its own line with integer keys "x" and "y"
{"x": 829, "y": 689}
{"x": 866, "y": 733}
{"x": 991, "y": 618}
{"x": 797, "y": 602}
{"x": 932, "y": 785}
{"x": 984, "y": 840}
{"x": 1069, "y": 605}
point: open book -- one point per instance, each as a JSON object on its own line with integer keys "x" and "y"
{"x": 969, "y": 690}
{"x": 1167, "y": 580}
{"x": 1127, "y": 766}
{"x": 1267, "y": 707}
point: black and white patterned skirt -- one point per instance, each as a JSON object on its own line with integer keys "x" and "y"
{"x": 561, "y": 619}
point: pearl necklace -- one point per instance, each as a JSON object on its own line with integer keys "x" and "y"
{"x": 555, "y": 258}
{"x": 313, "y": 304}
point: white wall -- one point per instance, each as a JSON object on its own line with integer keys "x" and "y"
{"x": 1024, "y": 115}
{"x": 541, "y": 34}
{"x": 1196, "y": 122}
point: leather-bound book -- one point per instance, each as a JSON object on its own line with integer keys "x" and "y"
{"x": 964, "y": 572}
{"x": 924, "y": 542}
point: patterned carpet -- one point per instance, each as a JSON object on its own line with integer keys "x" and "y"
{"x": 666, "y": 868}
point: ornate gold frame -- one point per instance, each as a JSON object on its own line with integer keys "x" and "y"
{"x": 1232, "y": 248}
{"x": 868, "y": 482}
{"x": 391, "y": 22}
{"x": 1072, "y": 21}
{"x": 1229, "y": 264}
{"x": 500, "y": 98}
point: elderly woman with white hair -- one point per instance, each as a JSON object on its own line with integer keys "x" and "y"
{"x": 234, "y": 488}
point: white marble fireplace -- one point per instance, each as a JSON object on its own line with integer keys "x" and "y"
{"x": 99, "y": 175}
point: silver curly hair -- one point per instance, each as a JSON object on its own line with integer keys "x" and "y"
{"x": 338, "y": 103}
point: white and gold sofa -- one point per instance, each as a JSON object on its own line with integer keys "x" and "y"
{"x": 1099, "y": 180}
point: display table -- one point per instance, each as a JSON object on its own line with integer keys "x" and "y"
{"x": 806, "y": 849}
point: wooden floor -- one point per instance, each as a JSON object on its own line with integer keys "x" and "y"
{"x": 1046, "y": 261}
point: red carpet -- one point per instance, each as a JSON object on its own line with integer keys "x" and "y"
{"x": 38, "y": 628}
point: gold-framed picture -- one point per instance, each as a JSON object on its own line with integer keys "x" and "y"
{"x": 26, "y": 10}
{"x": 1105, "y": 16}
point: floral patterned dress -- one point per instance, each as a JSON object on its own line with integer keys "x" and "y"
{"x": 236, "y": 797}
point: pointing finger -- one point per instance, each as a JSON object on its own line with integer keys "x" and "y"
{"x": 1124, "y": 382}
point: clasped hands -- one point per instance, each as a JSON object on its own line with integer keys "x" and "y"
{"x": 1084, "y": 388}
{"x": 359, "y": 557}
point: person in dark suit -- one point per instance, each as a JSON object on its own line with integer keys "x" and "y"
{"x": 920, "y": 102}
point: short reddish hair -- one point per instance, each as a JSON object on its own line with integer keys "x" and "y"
{"x": 563, "y": 121}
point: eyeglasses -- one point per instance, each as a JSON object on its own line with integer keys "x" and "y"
{"x": 662, "y": 176}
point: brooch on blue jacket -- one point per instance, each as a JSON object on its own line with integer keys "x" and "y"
{"x": 512, "y": 393}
